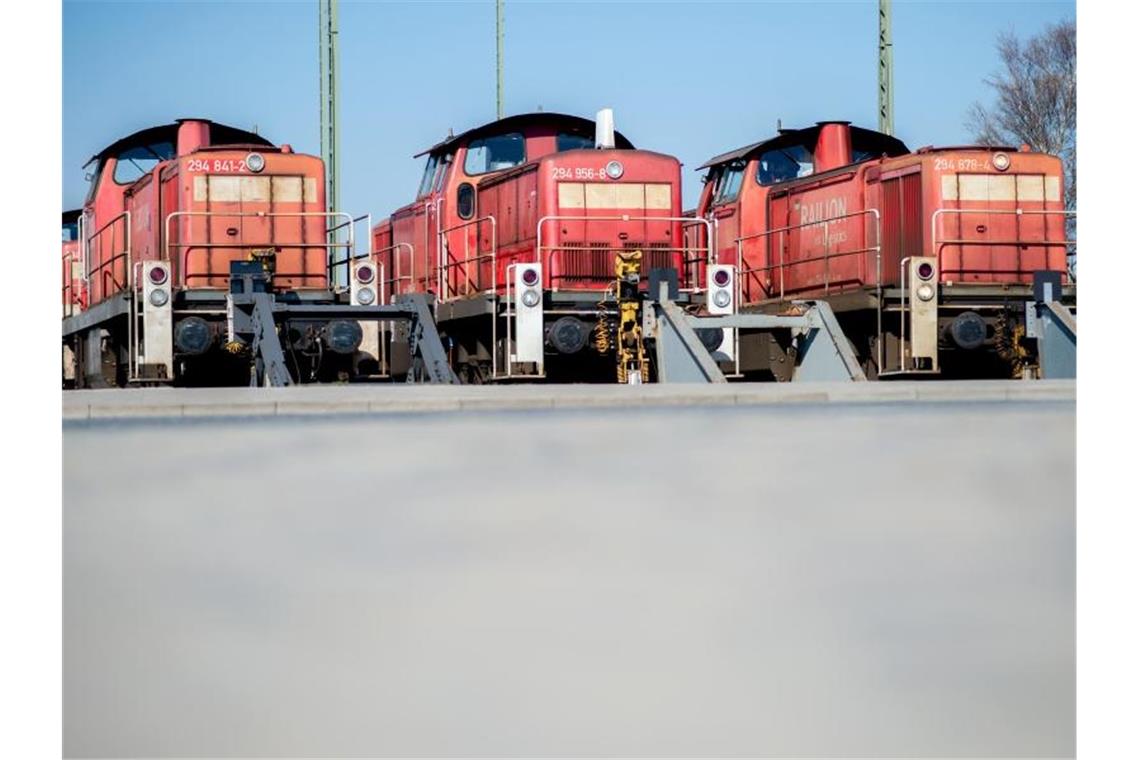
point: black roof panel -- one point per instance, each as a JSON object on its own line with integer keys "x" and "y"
{"x": 520, "y": 121}
{"x": 220, "y": 134}
{"x": 861, "y": 139}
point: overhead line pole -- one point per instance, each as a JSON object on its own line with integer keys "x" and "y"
{"x": 886, "y": 71}
{"x": 499, "y": 59}
{"x": 330, "y": 128}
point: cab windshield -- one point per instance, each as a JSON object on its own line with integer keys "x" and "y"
{"x": 429, "y": 175}
{"x": 783, "y": 164}
{"x": 133, "y": 163}
{"x": 493, "y": 154}
{"x": 573, "y": 142}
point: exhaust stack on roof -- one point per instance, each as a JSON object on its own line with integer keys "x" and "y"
{"x": 192, "y": 135}
{"x": 604, "y": 130}
{"x": 833, "y": 146}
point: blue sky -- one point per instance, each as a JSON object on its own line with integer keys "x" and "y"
{"x": 688, "y": 78}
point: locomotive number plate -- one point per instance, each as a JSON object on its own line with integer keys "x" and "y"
{"x": 577, "y": 172}
{"x": 962, "y": 164}
{"x": 216, "y": 165}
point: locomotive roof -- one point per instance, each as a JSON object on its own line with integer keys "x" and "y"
{"x": 220, "y": 134}
{"x": 862, "y": 139}
{"x": 523, "y": 120}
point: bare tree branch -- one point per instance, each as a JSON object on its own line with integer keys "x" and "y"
{"x": 1035, "y": 99}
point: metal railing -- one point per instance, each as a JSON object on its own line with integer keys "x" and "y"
{"x": 782, "y": 266}
{"x": 351, "y": 254}
{"x": 446, "y": 261}
{"x": 744, "y": 272}
{"x": 397, "y": 278}
{"x": 192, "y": 247}
{"x": 937, "y": 244}
{"x": 546, "y": 254}
{"x": 115, "y": 256}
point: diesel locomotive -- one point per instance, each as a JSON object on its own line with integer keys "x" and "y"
{"x": 929, "y": 258}
{"x": 148, "y": 259}
{"x": 516, "y": 228}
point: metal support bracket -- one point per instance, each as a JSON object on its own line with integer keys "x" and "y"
{"x": 1056, "y": 340}
{"x": 823, "y": 352}
{"x": 255, "y": 313}
{"x": 256, "y": 316}
{"x": 424, "y": 343}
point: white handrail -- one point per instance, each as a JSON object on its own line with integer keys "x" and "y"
{"x": 350, "y": 245}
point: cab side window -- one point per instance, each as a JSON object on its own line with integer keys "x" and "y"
{"x": 493, "y": 154}
{"x": 465, "y": 201}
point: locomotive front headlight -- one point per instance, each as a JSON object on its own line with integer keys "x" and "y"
{"x": 721, "y": 298}
{"x": 925, "y": 291}
{"x": 159, "y": 297}
{"x": 1001, "y": 161}
{"x": 614, "y": 170}
{"x": 365, "y": 296}
{"x": 531, "y": 298}
{"x": 255, "y": 162}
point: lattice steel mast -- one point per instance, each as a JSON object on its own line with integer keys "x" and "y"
{"x": 886, "y": 71}
{"x": 499, "y": 58}
{"x": 330, "y": 128}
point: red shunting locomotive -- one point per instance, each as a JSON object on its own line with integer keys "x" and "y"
{"x": 170, "y": 209}
{"x": 928, "y": 257}
{"x": 514, "y": 229}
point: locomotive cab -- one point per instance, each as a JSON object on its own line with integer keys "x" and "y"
{"x": 514, "y": 231}
{"x": 927, "y": 257}
{"x": 170, "y": 209}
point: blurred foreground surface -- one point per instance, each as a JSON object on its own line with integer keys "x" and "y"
{"x": 804, "y": 579}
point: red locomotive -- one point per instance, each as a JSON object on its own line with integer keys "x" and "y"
{"x": 514, "y": 229}
{"x": 74, "y": 291}
{"x": 170, "y": 208}
{"x": 928, "y": 257}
